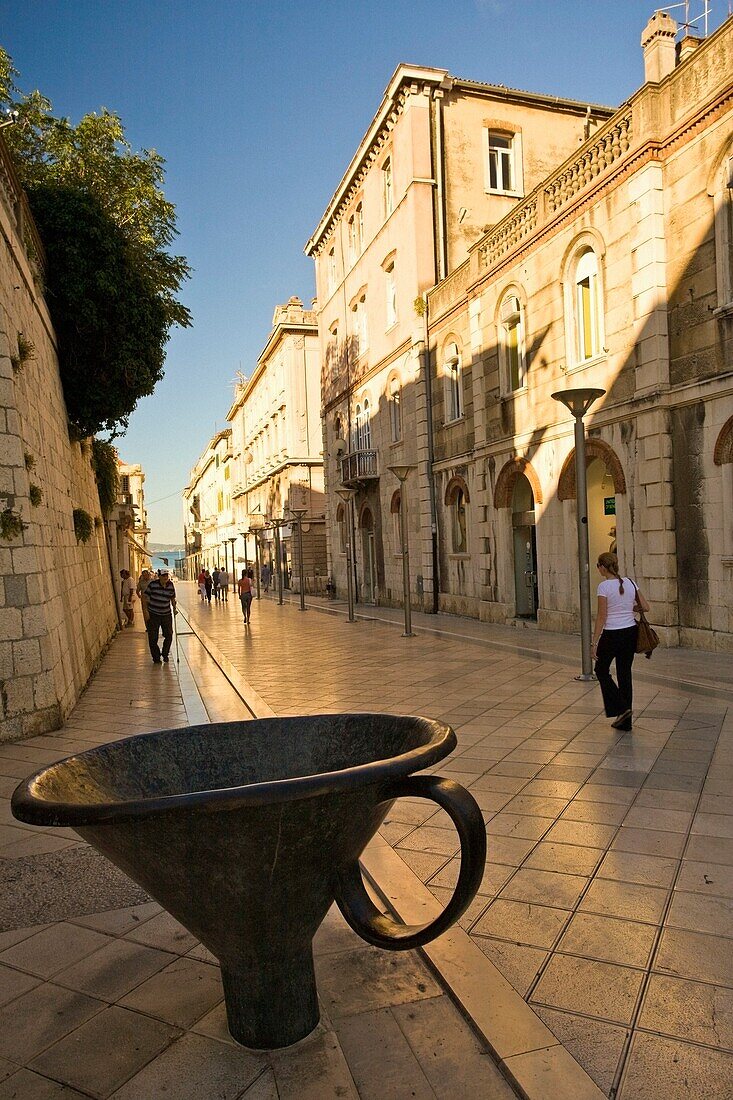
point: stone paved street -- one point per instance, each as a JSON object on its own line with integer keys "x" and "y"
{"x": 103, "y": 994}
{"x": 608, "y": 892}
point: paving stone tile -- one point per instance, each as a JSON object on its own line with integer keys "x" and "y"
{"x": 659, "y": 1067}
{"x": 115, "y": 970}
{"x": 395, "y": 831}
{"x": 700, "y": 913}
{"x": 650, "y": 817}
{"x": 474, "y": 910}
{"x": 515, "y": 768}
{"x": 627, "y": 900}
{"x": 500, "y": 784}
{"x": 522, "y": 826}
{"x": 632, "y": 867}
{"x": 40, "y": 1017}
{"x": 538, "y": 807}
{"x": 25, "y": 1085}
{"x": 427, "y": 839}
{"x": 424, "y": 864}
{"x": 366, "y": 978}
{"x": 694, "y": 1011}
{"x": 35, "y": 845}
{"x": 195, "y": 1067}
{"x": 609, "y": 939}
{"x": 595, "y": 1045}
{"x": 15, "y": 935}
{"x": 7, "y": 1068}
{"x": 116, "y": 922}
{"x": 105, "y": 1052}
{"x": 54, "y": 949}
{"x": 180, "y": 994}
{"x": 544, "y": 888}
{"x": 594, "y": 813}
{"x": 571, "y": 859}
{"x": 551, "y": 788}
{"x": 706, "y": 878}
{"x": 606, "y": 792}
{"x": 13, "y": 983}
{"x": 521, "y": 922}
{"x": 694, "y": 955}
{"x": 518, "y": 963}
{"x": 164, "y": 932}
{"x": 334, "y": 934}
{"x": 380, "y": 1058}
{"x": 593, "y": 988}
{"x": 669, "y": 800}
{"x": 494, "y": 877}
{"x": 410, "y": 813}
{"x": 581, "y": 833}
{"x": 648, "y": 842}
{"x": 264, "y": 1088}
{"x": 510, "y": 850}
{"x": 318, "y": 1071}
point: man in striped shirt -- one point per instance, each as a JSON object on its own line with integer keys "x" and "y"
{"x": 161, "y": 597}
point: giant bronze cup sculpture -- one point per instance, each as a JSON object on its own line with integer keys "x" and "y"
{"x": 248, "y": 831}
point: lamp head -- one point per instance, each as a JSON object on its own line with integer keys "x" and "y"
{"x": 401, "y": 470}
{"x": 579, "y": 400}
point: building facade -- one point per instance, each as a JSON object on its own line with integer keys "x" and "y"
{"x": 210, "y": 535}
{"x": 615, "y": 271}
{"x": 277, "y": 452}
{"x": 442, "y": 159}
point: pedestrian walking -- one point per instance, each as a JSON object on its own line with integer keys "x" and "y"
{"x": 161, "y": 595}
{"x": 201, "y": 580}
{"x": 208, "y": 584}
{"x": 215, "y": 580}
{"x": 244, "y": 585}
{"x": 224, "y": 585}
{"x": 266, "y": 576}
{"x": 143, "y": 581}
{"x": 614, "y": 639}
{"x": 127, "y": 596}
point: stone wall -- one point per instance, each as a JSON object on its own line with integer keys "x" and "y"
{"x": 57, "y": 606}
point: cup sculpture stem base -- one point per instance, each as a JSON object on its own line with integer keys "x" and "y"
{"x": 272, "y": 1002}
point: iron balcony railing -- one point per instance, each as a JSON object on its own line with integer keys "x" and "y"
{"x": 359, "y": 466}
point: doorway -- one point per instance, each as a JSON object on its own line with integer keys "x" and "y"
{"x": 368, "y": 558}
{"x": 524, "y": 538}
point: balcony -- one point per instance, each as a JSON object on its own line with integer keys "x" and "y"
{"x": 359, "y": 466}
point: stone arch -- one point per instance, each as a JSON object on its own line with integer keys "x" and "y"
{"x": 366, "y": 517}
{"x": 455, "y": 484}
{"x": 508, "y": 475}
{"x": 594, "y": 448}
{"x": 723, "y": 453}
{"x": 396, "y": 502}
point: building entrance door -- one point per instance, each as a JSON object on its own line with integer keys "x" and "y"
{"x": 368, "y": 558}
{"x": 525, "y": 550}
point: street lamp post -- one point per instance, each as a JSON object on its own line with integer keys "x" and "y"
{"x": 233, "y": 539}
{"x": 299, "y": 513}
{"x": 402, "y": 472}
{"x": 347, "y": 495}
{"x": 579, "y": 401}
{"x": 277, "y": 523}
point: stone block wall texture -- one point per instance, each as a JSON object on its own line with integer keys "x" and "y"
{"x": 57, "y": 609}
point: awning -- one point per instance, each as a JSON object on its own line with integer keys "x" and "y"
{"x": 137, "y": 545}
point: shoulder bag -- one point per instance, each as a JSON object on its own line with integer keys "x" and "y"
{"x": 647, "y": 638}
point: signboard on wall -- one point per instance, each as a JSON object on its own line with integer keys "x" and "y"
{"x": 609, "y": 506}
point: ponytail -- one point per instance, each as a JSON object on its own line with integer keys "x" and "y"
{"x": 610, "y": 562}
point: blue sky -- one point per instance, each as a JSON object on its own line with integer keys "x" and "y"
{"x": 257, "y": 109}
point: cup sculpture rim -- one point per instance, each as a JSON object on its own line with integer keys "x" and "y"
{"x": 29, "y": 804}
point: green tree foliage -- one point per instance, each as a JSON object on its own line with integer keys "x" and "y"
{"x": 106, "y": 226}
{"x": 106, "y": 471}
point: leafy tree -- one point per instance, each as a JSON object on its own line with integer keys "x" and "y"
{"x": 106, "y": 226}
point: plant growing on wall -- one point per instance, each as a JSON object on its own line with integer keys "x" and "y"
{"x": 26, "y": 352}
{"x": 35, "y": 495}
{"x": 83, "y": 525}
{"x": 29, "y": 460}
{"x": 106, "y": 225}
{"x": 106, "y": 471}
{"x": 11, "y": 524}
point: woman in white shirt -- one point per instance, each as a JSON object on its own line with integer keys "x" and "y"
{"x": 614, "y": 638}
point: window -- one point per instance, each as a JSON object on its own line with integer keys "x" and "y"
{"x": 394, "y": 400}
{"x": 458, "y": 522}
{"x": 396, "y": 510}
{"x": 501, "y": 162}
{"x": 355, "y": 229}
{"x": 360, "y": 226}
{"x": 387, "y": 187}
{"x": 511, "y": 342}
{"x": 587, "y": 308}
{"x": 453, "y": 376}
{"x": 361, "y": 332}
{"x": 366, "y": 434}
{"x": 227, "y": 474}
{"x": 331, "y": 270}
{"x": 721, "y": 191}
{"x": 390, "y": 289}
{"x": 220, "y": 501}
{"x": 353, "y": 253}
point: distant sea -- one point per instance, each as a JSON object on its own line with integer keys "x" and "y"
{"x": 172, "y": 556}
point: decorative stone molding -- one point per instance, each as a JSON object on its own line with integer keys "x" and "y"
{"x": 594, "y": 448}
{"x": 455, "y": 484}
{"x": 510, "y": 232}
{"x": 723, "y": 453}
{"x": 508, "y": 475}
{"x": 609, "y": 147}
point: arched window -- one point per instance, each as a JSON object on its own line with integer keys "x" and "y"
{"x": 453, "y": 383}
{"x": 341, "y": 524}
{"x": 396, "y": 510}
{"x": 390, "y": 291}
{"x": 366, "y": 426}
{"x": 457, "y": 498}
{"x": 357, "y": 433}
{"x": 512, "y": 344}
{"x": 394, "y": 400}
{"x": 587, "y": 316}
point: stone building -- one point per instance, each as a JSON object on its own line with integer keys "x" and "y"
{"x": 277, "y": 456}
{"x": 209, "y": 530}
{"x": 128, "y": 522}
{"x": 442, "y": 159}
{"x": 57, "y": 601}
{"x": 615, "y": 270}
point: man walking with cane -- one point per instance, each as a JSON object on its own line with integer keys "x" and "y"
{"x": 161, "y": 596}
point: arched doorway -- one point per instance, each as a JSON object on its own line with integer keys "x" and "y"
{"x": 368, "y": 557}
{"x": 601, "y": 510}
{"x": 525, "y": 548}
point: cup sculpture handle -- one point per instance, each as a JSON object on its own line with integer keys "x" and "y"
{"x": 359, "y": 909}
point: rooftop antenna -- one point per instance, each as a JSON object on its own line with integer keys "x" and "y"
{"x": 691, "y": 25}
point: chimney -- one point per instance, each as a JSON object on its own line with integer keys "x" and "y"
{"x": 657, "y": 42}
{"x": 687, "y": 47}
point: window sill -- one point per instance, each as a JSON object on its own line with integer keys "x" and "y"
{"x": 459, "y": 557}
{"x": 389, "y": 328}
{"x": 596, "y": 361}
{"x": 504, "y": 194}
{"x": 727, "y": 560}
{"x": 724, "y": 311}
{"x": 395, "y": 443}
{"x": 452, "y": 423}
{"x": 509, "y": 395}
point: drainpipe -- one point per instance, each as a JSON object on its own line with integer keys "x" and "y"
{"x": 431, "y": 456}
{"x": 439, "y": 177}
